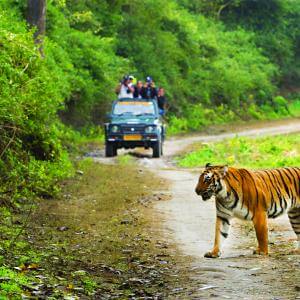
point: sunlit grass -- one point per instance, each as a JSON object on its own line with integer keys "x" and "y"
{"x": 198, "y": 118}
{"x": 267, "y": 152}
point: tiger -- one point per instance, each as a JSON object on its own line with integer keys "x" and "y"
{"x": 251, "y": 195}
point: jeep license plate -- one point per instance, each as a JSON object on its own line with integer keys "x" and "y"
{"x": 132, "y": 137}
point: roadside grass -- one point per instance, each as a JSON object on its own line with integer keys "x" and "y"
{"x": 266, "y": 152}
{"x": 197, "y": 118}
{"x": 83, "y": 141}
{"x": 125, "y": 160}
{"x": 294, "y": 108}
{"x": 97, "y": 240}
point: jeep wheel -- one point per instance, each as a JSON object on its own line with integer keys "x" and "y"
{"x": 110, "y": 150}
{"x": 157, "y": 149}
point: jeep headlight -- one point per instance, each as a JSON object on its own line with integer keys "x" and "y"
{"x": 150, "y": 129}
{"x": 115, "y": 129}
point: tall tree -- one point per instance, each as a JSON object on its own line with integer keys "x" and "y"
{"x": 37, "y": 17}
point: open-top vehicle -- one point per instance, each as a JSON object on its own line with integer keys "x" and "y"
{"x": 134, "y": 123}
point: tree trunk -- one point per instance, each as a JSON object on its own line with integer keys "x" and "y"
{"x": 37, "y": 17}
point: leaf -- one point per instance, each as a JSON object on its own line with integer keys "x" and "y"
{"x": 62, "y": 228}
{"x": 70, "y": 287}
{"x": 33, "y": 266}
{"x": 206, "y": 287}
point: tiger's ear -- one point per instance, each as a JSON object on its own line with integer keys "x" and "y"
{"x": 208, "y": 165}
{"x": 224, "y": 170}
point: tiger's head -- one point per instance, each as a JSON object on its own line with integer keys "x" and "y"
{"x": 211, "y": 182}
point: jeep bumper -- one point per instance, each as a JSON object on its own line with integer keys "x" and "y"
{"x": 125, "y": 141}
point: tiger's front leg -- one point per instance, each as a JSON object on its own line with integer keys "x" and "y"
{"x": 261, "y": 228}
{"x": 222, "y": 230}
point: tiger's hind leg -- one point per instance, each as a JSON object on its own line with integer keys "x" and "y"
{"x": 294, "y": 216}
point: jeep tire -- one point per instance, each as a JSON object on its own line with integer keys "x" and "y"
{"x": 157, "y": 149}
{"x": 110, "y": 150}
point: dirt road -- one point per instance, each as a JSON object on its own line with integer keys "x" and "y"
{"x": 190, "y": 223}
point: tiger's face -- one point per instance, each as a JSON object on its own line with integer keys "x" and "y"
{"x": 210, "y": 181}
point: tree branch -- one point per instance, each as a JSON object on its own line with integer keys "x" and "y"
{"x": 9, "y": 142}
{"x": 222, "y": 7}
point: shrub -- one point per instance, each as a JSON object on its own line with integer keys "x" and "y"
{"x": 32, "y": 91}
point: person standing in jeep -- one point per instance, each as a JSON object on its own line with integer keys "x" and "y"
{"x": 149, "y": 91}
{"x": 125, "y": 88}
{"x": 161, "y": 101}
{"x": 138, "y": 89}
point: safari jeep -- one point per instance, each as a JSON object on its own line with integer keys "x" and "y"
{"x": 134, "y": 123}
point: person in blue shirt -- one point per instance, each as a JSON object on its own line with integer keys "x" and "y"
{"x": 149, "y": 91}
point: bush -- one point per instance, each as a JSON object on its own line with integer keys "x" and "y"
{"x": 32, "y": 91}
{"x": 197, "y": 117}
{"x": 93, "y": 69}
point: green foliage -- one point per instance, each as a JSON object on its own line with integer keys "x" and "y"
{"x": 269, "y": 152}
{"x": 32, "y": 91}
{"x": 276, "y": 27}
{"x": 195, "y": 59}
{"x": 294, "y": 108}
{"x": 197, "y": 51}
{"x": 89, "y": 285}
{"x": 219, "y": 61}
{"x": 203, "y": 53}
{"x": 11, "y": 284}
{"x": 196, "y": 117}
{"x": 93, "y": 67}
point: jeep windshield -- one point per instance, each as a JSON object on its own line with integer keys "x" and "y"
{"x": 136, "y": 108}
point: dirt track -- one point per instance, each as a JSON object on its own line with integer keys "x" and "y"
{"x": 189, "y": 222}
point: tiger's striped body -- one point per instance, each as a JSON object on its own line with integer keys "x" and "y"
{"x": 251, "y": 195}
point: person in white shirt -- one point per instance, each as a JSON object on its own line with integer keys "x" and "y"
{"x": 125, "y": 88}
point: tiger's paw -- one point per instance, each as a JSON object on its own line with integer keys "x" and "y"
{"x": 295, "y": 251}
{"x": 212, "y": 254}
{"x": 260, "y": 252}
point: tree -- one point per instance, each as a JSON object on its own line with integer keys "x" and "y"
{"x": 37, "y": 17}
